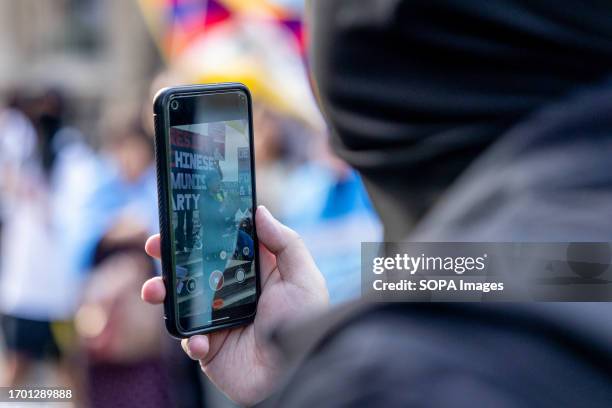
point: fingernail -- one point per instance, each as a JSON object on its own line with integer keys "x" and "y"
{"x": 191, "y": 343}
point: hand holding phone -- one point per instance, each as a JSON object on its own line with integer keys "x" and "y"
{"x": 238, "y": 360}
{"x": 228, "y": 270}
{"x": 206, "y": 187}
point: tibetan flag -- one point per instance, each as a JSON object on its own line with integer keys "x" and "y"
{"x": 177, "y": 23}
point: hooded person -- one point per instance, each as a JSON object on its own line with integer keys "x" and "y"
{"x": 468, "y": 122}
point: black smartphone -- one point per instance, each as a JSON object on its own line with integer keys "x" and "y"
{"x": 207, "y": 203}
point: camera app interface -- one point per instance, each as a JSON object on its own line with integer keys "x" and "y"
{"x": 212, "y": 208}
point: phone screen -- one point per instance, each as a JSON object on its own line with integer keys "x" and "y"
{"x": 211, "y": 178}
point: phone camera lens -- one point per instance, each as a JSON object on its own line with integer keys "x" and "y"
{"x": 174, "y": 105}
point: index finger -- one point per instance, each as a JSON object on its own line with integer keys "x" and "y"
{"x": 153, "y": 246}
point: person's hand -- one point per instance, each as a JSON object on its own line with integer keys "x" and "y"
{"x": 239, "y": 360}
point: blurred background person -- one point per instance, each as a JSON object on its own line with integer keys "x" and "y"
{"x": 125, "y": 181}
{"x": 18, "y": 143}
{"x": 37, "y": 294}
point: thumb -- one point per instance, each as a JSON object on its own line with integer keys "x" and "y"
{"x": 292, "y": 257}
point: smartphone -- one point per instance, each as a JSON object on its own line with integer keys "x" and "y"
{"x": 207, "y": 203}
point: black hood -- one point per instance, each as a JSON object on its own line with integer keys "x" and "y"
{"x": 415, "y": 90}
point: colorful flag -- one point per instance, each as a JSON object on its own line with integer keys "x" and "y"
{"x": 176, "y": 24}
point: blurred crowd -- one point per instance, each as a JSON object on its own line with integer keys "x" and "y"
{"x": 78, "y": 199}
{"x": 74, "y": 216}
